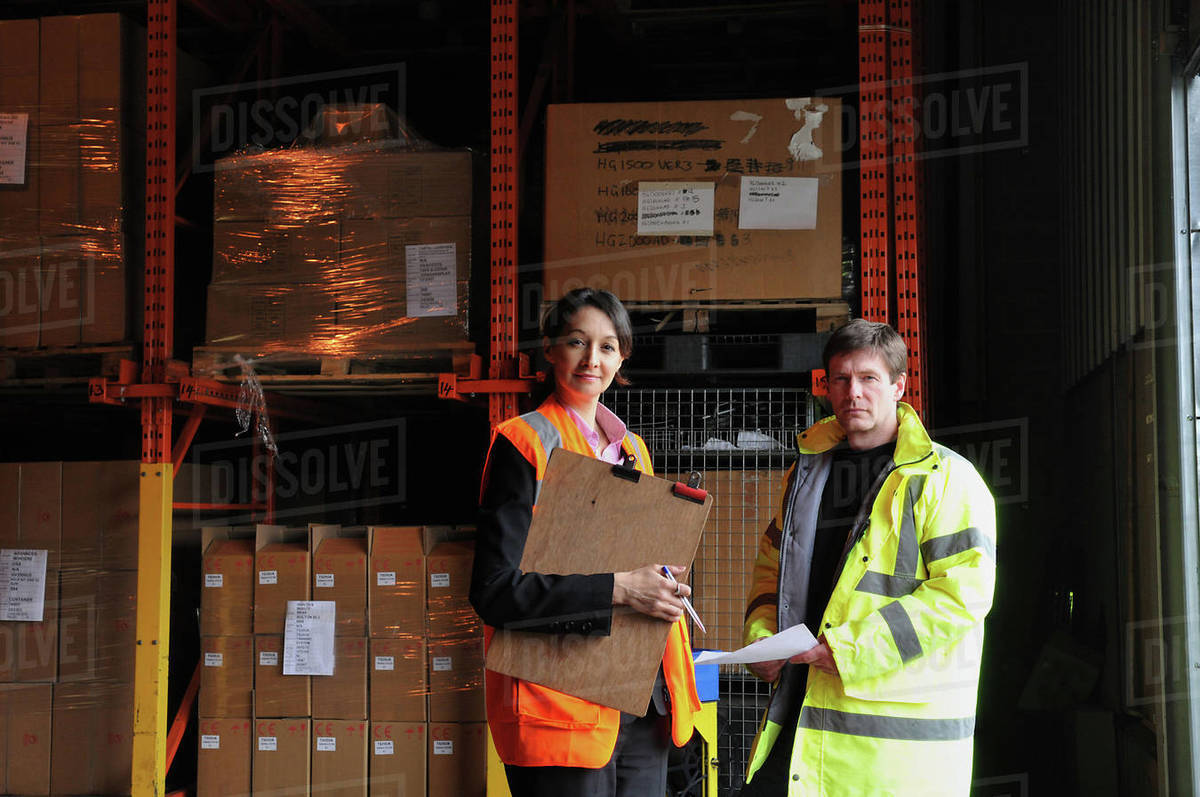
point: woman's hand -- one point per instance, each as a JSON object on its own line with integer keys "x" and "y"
{"x": 650, "y": 592}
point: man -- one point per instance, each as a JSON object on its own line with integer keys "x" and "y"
{"x": 885, "y": 547}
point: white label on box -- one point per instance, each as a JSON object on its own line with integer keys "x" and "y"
{"x": 308, "y": 638}
{"x": 267, "y": 744}
{"x": 268, "y": 658}
{"x": 675, "y": 208}
{"x": 268, "y": 576}
{"x": 385, "y": 662}
{"x": 214, "y": 660}
{"x": 442, "y": 663}
{"x": 327, "y": 744}
{"x": 778, "y": 203}
{"x": 214, "y": 579}
{"x": 22, "y": 584}
{"x": 324, "y": 579}
{"x": 443, "y": 747}
{"x": 14, "y": 135}
{"x": 432, "y": 279}
{"x": 384, "y": 747}
{"x": 439, "y": 579}
{"x": 210, "y": 741}
{"x": 385, "y": 579}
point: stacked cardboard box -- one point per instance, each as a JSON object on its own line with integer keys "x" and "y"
{"x": 403, "y": 709}
{"x": 343, "y": 248}
{"x": 70, "y": 237}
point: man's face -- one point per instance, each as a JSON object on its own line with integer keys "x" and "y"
{"x": 864, "y": 397}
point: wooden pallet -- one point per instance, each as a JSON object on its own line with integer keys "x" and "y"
{"x": 54, "y": 365}
{"x": 406, "y": 363}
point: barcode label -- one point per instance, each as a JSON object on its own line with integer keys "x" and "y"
{"x": 214, "y": 579}
{"x": 387, "y": 579}
{"x": 383, "y": 748}
{"x": 442, "y": 663}
{"x": 267, "y": 744}
{"x": 214, "y": 660}
{"x": 439, "y": 579}
{"x": 268, "y": 576}
{"x": 210, "y": 741}
{"x": 268, "y": 658}
{"x": 324, "y": 579}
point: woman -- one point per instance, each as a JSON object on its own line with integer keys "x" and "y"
{"x": 553, "y": 743}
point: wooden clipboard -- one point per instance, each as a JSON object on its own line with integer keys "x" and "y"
{"x": 593, "y": 517}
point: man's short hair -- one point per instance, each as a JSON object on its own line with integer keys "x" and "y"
{"x": 862, "y": 334}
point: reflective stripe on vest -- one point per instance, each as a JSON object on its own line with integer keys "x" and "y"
{"x": 880, "y": 727}
{"x": 550, "y": 438}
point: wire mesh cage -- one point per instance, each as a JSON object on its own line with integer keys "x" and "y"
{"x": 741, "y": 441}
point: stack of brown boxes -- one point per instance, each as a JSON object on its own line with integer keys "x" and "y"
{"x": 69, "y": 228}
{"x": 404, "y": 700}
{"x": 346, "y": 248}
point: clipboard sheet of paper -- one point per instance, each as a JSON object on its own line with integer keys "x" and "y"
{"x": 784, "y": 645}
{"x": 589, "y": 520}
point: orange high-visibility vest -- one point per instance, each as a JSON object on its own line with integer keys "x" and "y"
{"x": 534, "y": 725}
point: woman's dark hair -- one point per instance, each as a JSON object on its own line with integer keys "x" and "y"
{"x": 555, "y": 320}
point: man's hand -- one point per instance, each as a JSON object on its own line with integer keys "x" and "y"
{"x": 767, "y": 670}
{"x": 650, "y": 592}
{"x": 820, "y": 657}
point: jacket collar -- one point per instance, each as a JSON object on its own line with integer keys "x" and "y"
{"x": 913, "y": 443}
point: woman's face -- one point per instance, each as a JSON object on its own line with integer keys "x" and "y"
{"x": 586, "y": 357}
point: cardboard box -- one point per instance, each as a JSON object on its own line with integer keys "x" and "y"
{"x": 397, "y": 679}
{"x": 340, "y": 575}
{"x": 457, "y": 759}
{"x": 343, "y": 695}
{"x": 227, "y": 592}
{"x": 389, "y": 185}
{"x": 226, "y": 677}
{"x": 92, "y": 750}
{"x": 280, "y": 761}
{"x": 339, "y": 757}
{"x": 89, "y": 67}
{"x": 83, "y": 178}
{"x": 19, "y": 94}
{"x": 597, "y": 156}
{"x": 10, "y": 497}
{"x": 20, "y": 270}
{"x": 396, "y": 582}
{"x": 100, "y": 512}
{"x": 29, "y": 650}
{"x": 98, "y": 626}
{"x": 223, "y": 759}
{"x": 41, "y": 509}
{"x": 281, "y": 575}
{"x": 398, "y": 751}
{"x": 105, "y": 316}
{"x": 448, "y": 605}
{"x": 291, "y": 314}
{"x": 25, "y": 731}
{"x": 456, "y": 680}
{"x": 254, "y": 252}
{"x": 276, "y": 694}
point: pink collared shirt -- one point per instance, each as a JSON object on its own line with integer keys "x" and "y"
{"x": 613, "y": 427}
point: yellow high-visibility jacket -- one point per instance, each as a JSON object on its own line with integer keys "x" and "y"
{"x": 904, "y": 623}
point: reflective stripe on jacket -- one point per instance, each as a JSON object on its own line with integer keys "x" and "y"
{"x": 904, "y": 623}
{"x": 534, "y": 725}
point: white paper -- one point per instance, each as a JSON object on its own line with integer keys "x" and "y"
{"x": 14, "y": 135}
{"x": 22, "y": 584}
{"x": 268, "y": 576}
{"x": 327, "y": 744}
{"x": 210, "y": 741}
{"x": 443, "y": 747}
{"x": 431, "y": 274}
{"x": 439, "y": 579}
{"x": 268, "y": 658}
{"x": 267, "y": 744}
{"x": 675, "y": 208}
{"x": 783, "y": 645}
{"x": 308, "y": 638}
{"x": 214, "y": 660}
{"x": 778, "y": 203}
{"x": 324, "y": 579}
{"x": 383, "y": 747}
{"x": 385, "y": 662}
{"x": 442, "y": 663}
{"x": 385, "y": 579}
{"x": 214, "y": 579}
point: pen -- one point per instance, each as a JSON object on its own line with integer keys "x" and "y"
{"x": 687, "y": 604}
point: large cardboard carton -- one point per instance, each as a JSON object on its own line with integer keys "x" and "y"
{"x": 25, "y": 730}
{"x": 397, "y": 679}
{"x": 89, "y": 68}
{"x": 281, "y": 756}
{"x": 340, "y": 574}
{"x": 760, "y": 241}
{"x": 41, "y": 509}
{"x": 390, "y": 185}
{"x": 226, "y": 677}
{"x": 281, "y": 574}
{"x": 343, "y": 695}
{"x": 92, "y": 750}
{"x": 100, "y": 509}
{"x": 82, "y": 180}
{"x": 456, "y": 680}
{"x": 10, "y": 503}
{"x": 285, "y": 314}
{"x": 20, "y": 294}
{"x": 398, "y": 751}
{"x": 254, "y": 252}
{"x": 339, "y": 757}
{"x": 29, "y": 650}
{"x": 457, "y": 753}
{"x": 449, "y": 611}
{"x": 276, "y": 694}
{"x": 227, "y": 593}
{"x": 97, "y": 626}
{"x": 223, "y": 760}
{"x": 396, "y": 582}
{"x": 19, "y": 95}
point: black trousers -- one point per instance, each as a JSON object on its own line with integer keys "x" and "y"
{"x": 638, "y": 767}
